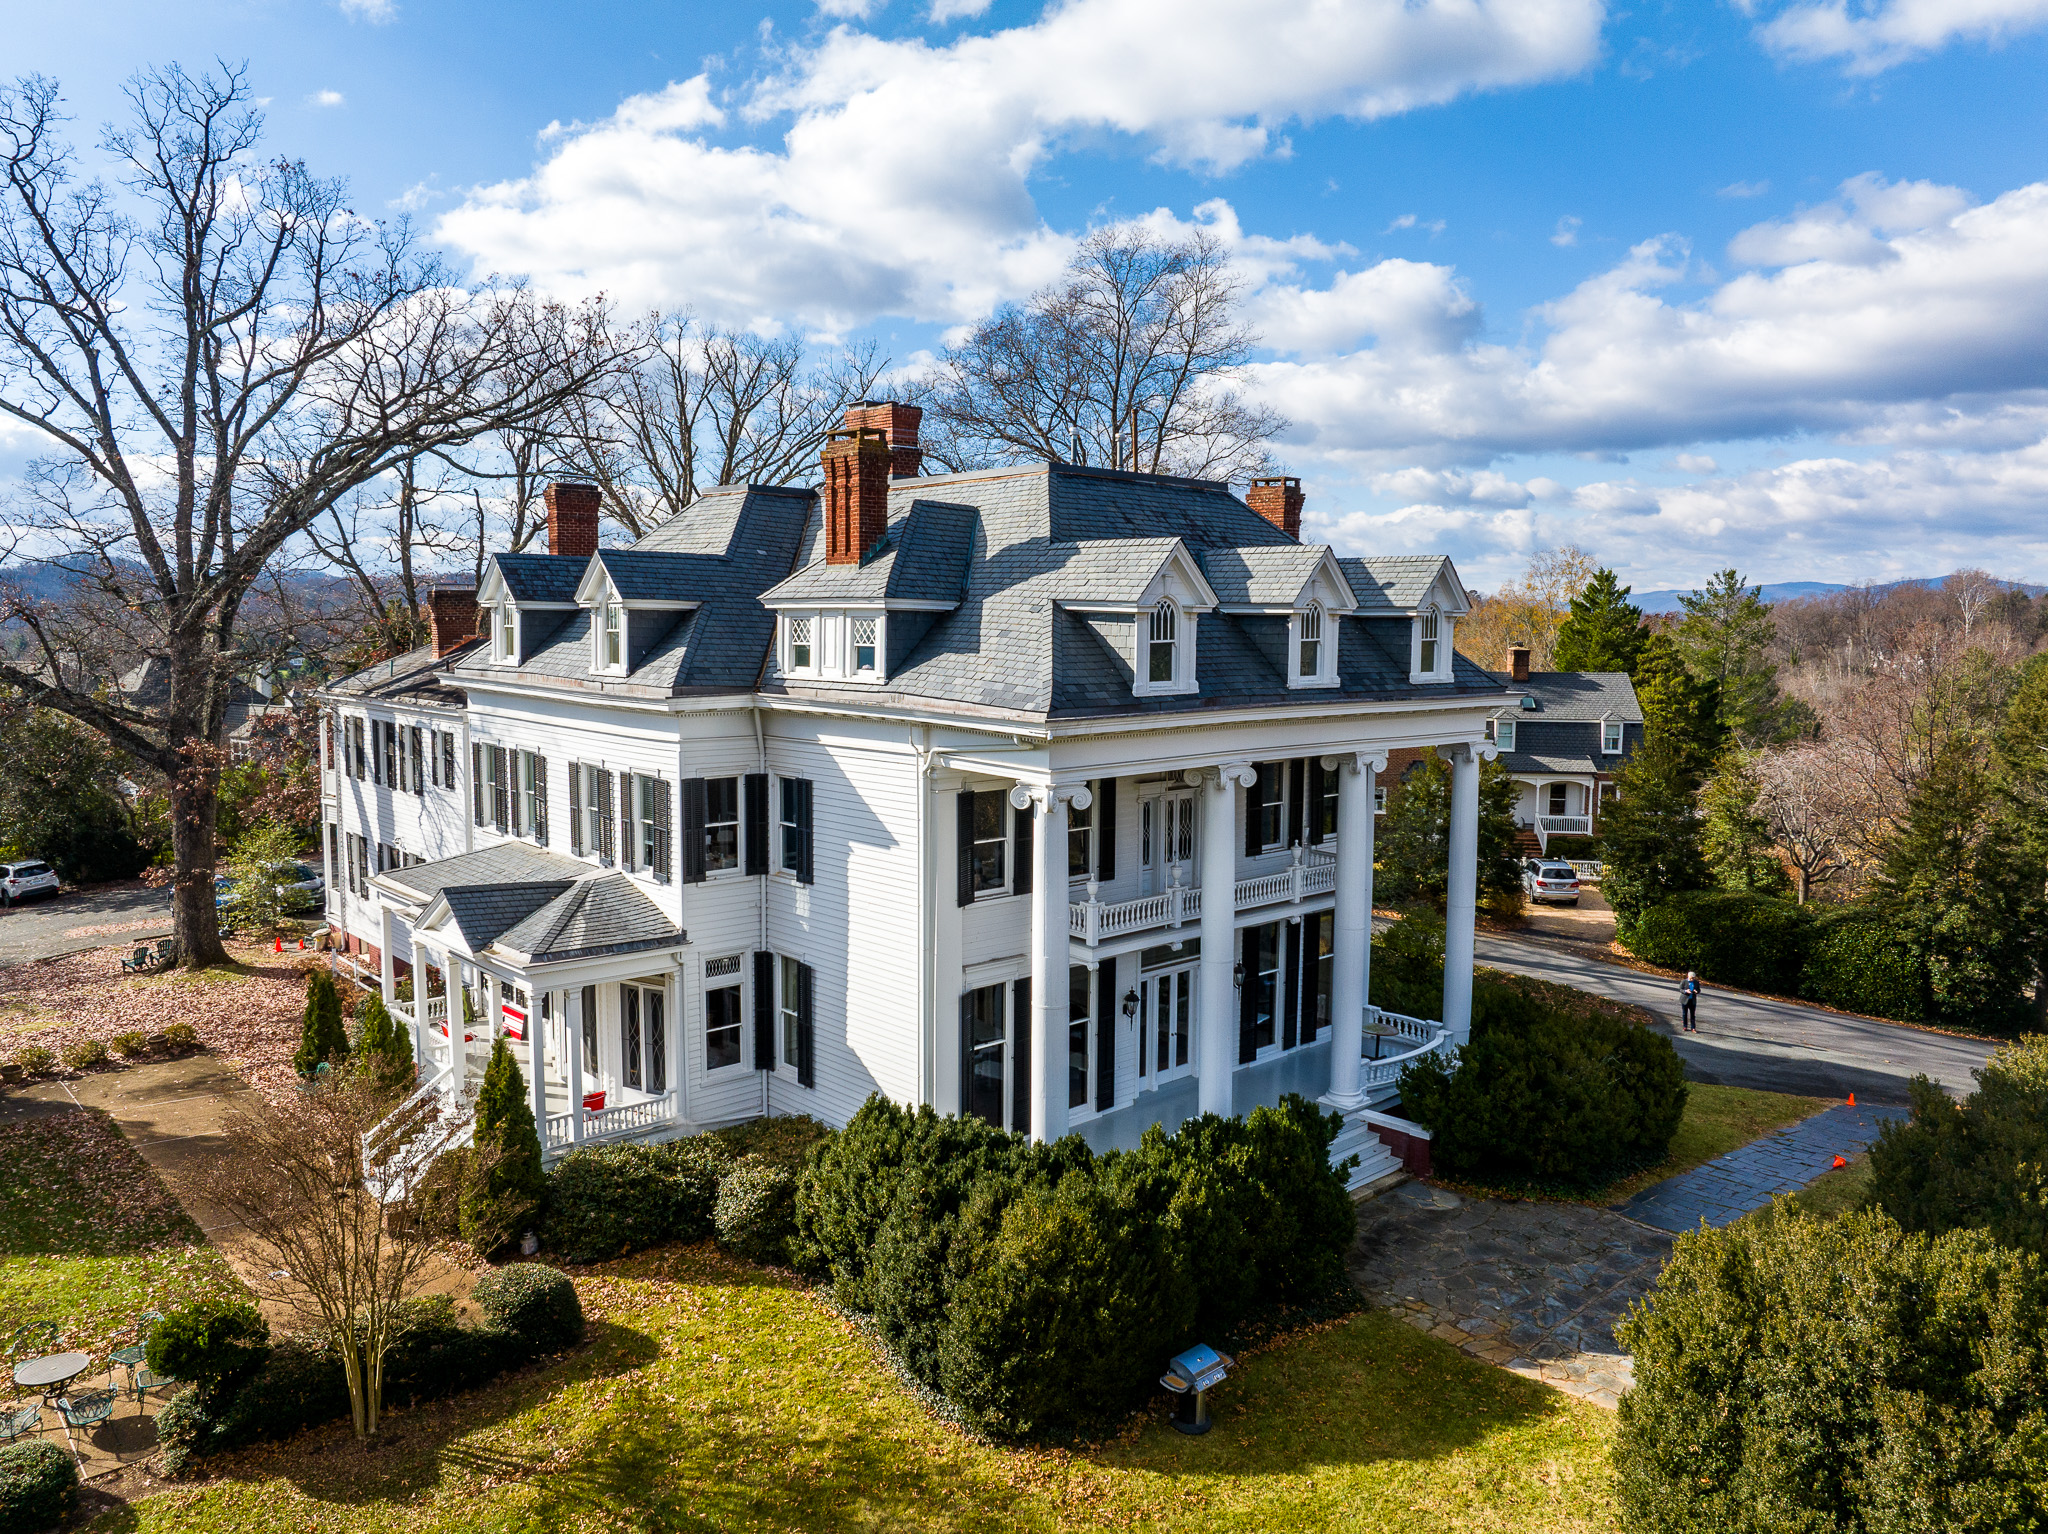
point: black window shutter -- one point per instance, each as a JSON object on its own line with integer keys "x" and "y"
{"x": 1294, "y": 797}
{"x": 1314, "y": 789}
{"x": 1253, "y": 843}
{"x": 627, "y": 851}
{"x": 966, "y": 1052}
{"x": 1020, "y": 1055}
{"x": 1289, "y": 985}
{"x": 501, "y": 789}
{"x": 803, "y": 825}
{"x": 607, "y": 826}
{"x": 1247, "y": 997}
{"x": 419, "y": 782}
{"x": 806, "y": 1034}
{"x": 764, "y": 1011}
{"x": 476, "y": 781}
{"x": 576, "y": 808}
{"x": 1020, "y": 850}
{"x": 693, "y": 830}
{"x": 965, "y": 894}
{"x": 540, "y": 800}
{"x": 1106, "y": 1004}
{"x": 664, "y": 839}
{"x": 1105, "y": 829}
{"x": 757, "y": 823}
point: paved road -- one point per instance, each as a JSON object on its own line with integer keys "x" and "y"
{"x": 44, "y": 929}
{"x": 1751, "y": 1041}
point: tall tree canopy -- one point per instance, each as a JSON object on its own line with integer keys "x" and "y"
{"x": 1725, "y": 638}
{"x": 1603, "y": 631}
{"x": 213, "y": 355}
{"x": 1129, "y": 361}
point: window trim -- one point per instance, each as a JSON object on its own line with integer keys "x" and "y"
{"x": 872, "y": 671}
{"x": 1004, "y": 841}
{"x": 810, "y": 623}
{"x": 505, "y": 633}
{"x": 1501, "y": 732}
{"x": 1619, "y": 727}
{"x": 603, "y": 616}
{"x": 1431, "y": 628}
{"x": 1179, "y": 621}
{"x": 1312, "y": 625}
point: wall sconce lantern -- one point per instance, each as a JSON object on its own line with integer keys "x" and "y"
{"x": 1131, "y": 1002}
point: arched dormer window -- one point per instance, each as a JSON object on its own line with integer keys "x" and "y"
{"x": 1312, "y": 640}
{"x": 1426, "y": 641}
{"x": 1162, "y": 641}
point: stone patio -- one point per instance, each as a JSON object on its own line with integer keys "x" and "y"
{"x": 1535, "y": 1288}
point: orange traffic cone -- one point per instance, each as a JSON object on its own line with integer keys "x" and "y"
{"x": 302, "y": 945}
{"x": 277, "y": 945}
{"x": 1852, "y": 1099}
{"x": 1840, "y": 1163}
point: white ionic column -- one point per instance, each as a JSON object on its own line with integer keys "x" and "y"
{"x": 536, "y": 1067}
{"x": 572, "y": 1014}
{"x": 1216, "y": 994}
{"x": 1049, "y": 999}
{"x": 1351, "y": 959}
{"x": 1461, "y": 890}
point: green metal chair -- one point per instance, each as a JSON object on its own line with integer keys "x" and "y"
{"x": 133, "y": 1357}
{"x": 33, "y": 1340}
{"x": 19, "y": 1420}
{"x": 87, "y": 1409}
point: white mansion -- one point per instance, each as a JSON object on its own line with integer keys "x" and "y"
{"x": 1043, "y": 794}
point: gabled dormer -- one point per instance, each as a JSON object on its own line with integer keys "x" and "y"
{"x": 635, "y": 601}
{"x": 1156, "y": 587}
{"x": 521, "y": 600}
{"x": 1296, "y": 593}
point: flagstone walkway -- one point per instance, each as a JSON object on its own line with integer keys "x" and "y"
{"x": 1730, "y": 1186}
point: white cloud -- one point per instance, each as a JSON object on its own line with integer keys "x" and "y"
{"x": 1744, "y": 189}
{"x": 1410, "y": 221}
{"x": 372, "y": 11}
{"x": 1567, "y": 232}
{"x": 1694, "y": 463}
{"x": 1876, "y": 36}
{"x": 850, "y": 10}
{"x": 326, "y": 99}
{"x": 1886, "y": 333}
{"x": 953, "y": 10}
{"x": 902, "y": 182}
{"x": 1851, "y": 228}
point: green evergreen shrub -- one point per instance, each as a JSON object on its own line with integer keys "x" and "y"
{"x": 1407, "y": 973}
{"x": 181, "y": 1035}
{"x": 1859, "y": 962}
{"x": 756, "y": 1211}
{"x": 182, "y": 1430}
{"x": 38, "y": 1485}
{"x": 507, "y": 1184}
{"x": 1978, "y": 1164}
{"x": 1541, "y": 1097}
{"x": 534, "y": 1303}
{"x": 34, "y": 1060}
{"x": 1800, "y": 1374}
{"x": 690, "y": 1170}
{"x": 322, "y": 1038}
{"x": 382, "y": 1044}
{"x": 606, "y": 1200}
{"x": 1755, "y": 942}
{"x": 83, "y": 1054}
{"x": 215, "y": 1345}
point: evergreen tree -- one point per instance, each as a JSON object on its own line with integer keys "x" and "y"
{"x": 381, "y": 1045}
{"x": 1412, "y": 842}
{"x": 2020, "y": 759}
{"x": 507, "y": 1153}
{"x": 1725, "y": 638}
{"x": 1650, "y": 832}
{"x": 322, "y": 1038}
{"x": 1604, "y": 630}
{"x": 1678, "y": 707}
{"x": 1734, "y": 836}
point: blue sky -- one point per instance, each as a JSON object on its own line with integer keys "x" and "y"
{"x": 1762, "y": 284}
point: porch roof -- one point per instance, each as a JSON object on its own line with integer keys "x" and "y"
{"x": 511, "y": 863}
{"x": 593, "y": 918}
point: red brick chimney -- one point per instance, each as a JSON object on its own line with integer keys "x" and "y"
{"x": 572, "y": 518}
{"x": 1278, "y": 499}
{"x": 451, "y": 616}
{"x": 1518, "y": 662}
{"x": 899, "y": 423}
{"x": 856, "y": 492}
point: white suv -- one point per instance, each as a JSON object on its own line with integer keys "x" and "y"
{"x": 26, "y": 881}
{"x": 1544, "y": 879}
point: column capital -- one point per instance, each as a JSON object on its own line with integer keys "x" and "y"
{"x": 1469, "y": 751}
{"x": 1024, "y": 796}
{"x": 1223, "y": 775}
{"x": 1355, "y": 761}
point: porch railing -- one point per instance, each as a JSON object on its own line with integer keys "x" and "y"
{"x": 615, "y": 1122}
{"x": 1565, "y": 825}
{"x": 1092, "y": 920}
{"x": 1421, "y": 1036}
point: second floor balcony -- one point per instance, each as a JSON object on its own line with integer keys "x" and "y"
{"x": 1310, "y": 873}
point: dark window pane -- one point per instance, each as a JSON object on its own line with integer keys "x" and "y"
{"x": 985, "y": 1063}
{"x": 722, "y": 1027}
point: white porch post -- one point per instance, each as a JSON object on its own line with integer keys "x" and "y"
{"x": 574, "y": 1019}
{"x": 1049, "y": 999}
{"x": 1461, "y": 891}
{"x": 1215, "y": 1030}
{"x": 536, "y": 1067}
{"x": 386, "y": 963}
{"x": 1351, "y": 966}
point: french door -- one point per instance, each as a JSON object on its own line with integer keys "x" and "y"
{"x": 1166, "y": 1024}
{"x": 643, "y": 1036}
{"x": 1166, "y": 836}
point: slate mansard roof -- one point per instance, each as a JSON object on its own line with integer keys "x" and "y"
{"x": 1561, "y": 734}
{"x": 1000, "y": 585}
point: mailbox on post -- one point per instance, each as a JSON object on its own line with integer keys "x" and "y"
{"x": 1190, "y": 1377}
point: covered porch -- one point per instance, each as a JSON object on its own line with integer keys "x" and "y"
{"x": 574, "y": 967}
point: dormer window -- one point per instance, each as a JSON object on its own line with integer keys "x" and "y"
{"x": 1432, "y": 654}
{"x": 1502, "y": 733}
{"x": 1312, "y": 649}
{"x": 612, "y": 646}
{"x": 1610, "y": 737}
{"x": 506, "y": 630}
{"x": 1161, "y": 644}
{"x": 862, "y": 643}
{"x": 800, "y": 651}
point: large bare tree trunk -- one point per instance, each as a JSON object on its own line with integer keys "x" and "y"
{"x": 195, "y": 802}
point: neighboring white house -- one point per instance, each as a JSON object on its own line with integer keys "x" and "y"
{"x": 1563, "y": 737}
{"x": 1038, "y": 793}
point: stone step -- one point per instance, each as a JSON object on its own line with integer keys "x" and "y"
{"x": 1374, "y": 1159}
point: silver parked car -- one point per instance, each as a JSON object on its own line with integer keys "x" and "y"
{"x": 1547, "y": 881}
{"x": 27, "y": 881}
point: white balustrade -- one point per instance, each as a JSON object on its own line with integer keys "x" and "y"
{"x": 626, "y": 1118}
{"x": 1565, "y": 825}
{"x": 1310, "y": 873}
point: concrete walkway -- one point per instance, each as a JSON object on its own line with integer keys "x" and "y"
{"x": 1730, "y": 1186}
{"x": 123, "y": 914}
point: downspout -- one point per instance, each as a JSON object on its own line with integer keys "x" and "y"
{"x": 927, "y": 921}
{"x": 761, "y": 892}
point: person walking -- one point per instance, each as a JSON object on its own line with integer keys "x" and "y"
{"x": 1689, "y": 1001}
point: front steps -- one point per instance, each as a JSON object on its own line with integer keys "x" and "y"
{"x": 1375, "y": 1161}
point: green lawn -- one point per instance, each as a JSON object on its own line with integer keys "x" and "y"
{"x": 717, "y": 1396}
{"x": 1835, "y": 1192}
{"x": 88, "y": 1234}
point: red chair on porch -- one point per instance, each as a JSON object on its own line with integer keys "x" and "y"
{"x": 593, "y": 1102}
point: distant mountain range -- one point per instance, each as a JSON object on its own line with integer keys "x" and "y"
{"x": 1785, "y": 591}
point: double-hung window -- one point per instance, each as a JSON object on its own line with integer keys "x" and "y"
{"x": 1080, "y": 995}
{"x": 1311, "y": 646}
{"x": 793, "y": 823}
{"x": 1428, "y": 642}
{"x": 613, "y": 652}
{"x": 801, "y": 651}
{"x": 791, "y": 1012}
{"x": 1610, "y": 737}
{"x": 721, "y": 824}
{"x": 1270, "y": 803}
{"x": 448, "y": 759}
{"x": 991, "y": 843}
{"x": 1080, "y": 842}
{"x": 508, "y": 633}
{"x": 1503, "y": 732}
{"x": 1162, "y": 638}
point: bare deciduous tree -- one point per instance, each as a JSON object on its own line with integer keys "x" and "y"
{"x": 1807, "y": 796}
{"x": 214, "y": 359}
{"x": 346, "y": 1250}
{"x": 1129, "y": 362}
{"x": 1526, "y": 612}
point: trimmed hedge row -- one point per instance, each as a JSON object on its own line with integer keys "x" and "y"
{"x": 300, "y": 1381}
{"x": 1542, "y": 1096}
{"x": 1846, "y": 956}
{"x": 1803, "y": 1374}
{"x": 1040, "y": 1288}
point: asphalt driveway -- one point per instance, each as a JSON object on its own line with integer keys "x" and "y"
{"x": 96, "y": 917}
